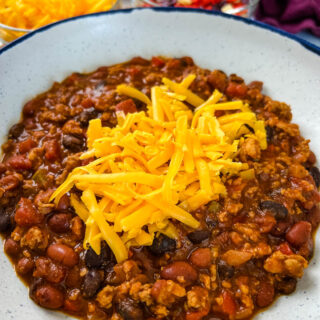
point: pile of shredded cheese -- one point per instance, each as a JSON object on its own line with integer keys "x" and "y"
{"x": 32, "y": 14}
{"x": 158, "y": 166}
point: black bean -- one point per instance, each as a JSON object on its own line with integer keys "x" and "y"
{"x": 225, "y": 271}
{"x": 315, "y": 173}
{"x": 130, "y": 310}
{"x": 103, "y": 260}
{"x": 162, "y": 244}
{"x": 279, "y": 211}
{"x": 91, "y": 283}
{"x": 87, "y": 115}
{"x": 5, "y": 222}
{"x": 270, "y": 133}
{"x": 72, "y": 143}
{"x": 198, "y": 236}
{"x": 287, "y": 285}
{"x": 16, "y": 130}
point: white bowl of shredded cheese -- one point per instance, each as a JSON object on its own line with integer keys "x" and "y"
{"x": 20, "y": 17}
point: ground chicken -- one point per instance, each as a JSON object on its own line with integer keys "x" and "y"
{"x": 198, "y": 297}
{"x": 35, "y": 238}
{"x": 105, "y": 297}
{"x": 292, "y": 265}
{"x": 167, "y": 292}
{"x": 141, "y": 292}
{"x": 250, "y": 150}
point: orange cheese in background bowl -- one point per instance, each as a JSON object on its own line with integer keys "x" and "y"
{"x": 21, "y": 16}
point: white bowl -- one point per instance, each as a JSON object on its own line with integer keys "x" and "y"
{"x": 290, "y": 70}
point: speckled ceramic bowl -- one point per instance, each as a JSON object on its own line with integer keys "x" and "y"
{"x": 290, "y": 70}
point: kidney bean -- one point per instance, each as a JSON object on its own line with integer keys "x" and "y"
{"x": 130, "y": 310}
{"x": 29, "y": 108}
{"x": 127, "y": 106}
{"x": 24, "y": 266}
{"x": 19, "y": 162}
{"x": 287, "y": 285}
{"x": 315, "y": 173}
{"x": 47, "y": 269}
{"x": 74, "y": 305}
{"x": 26, "y": 215}
{"x": 201, "y": 258}
{"x": 52, "y": 150}
{"x": 299, "y": 233}
{"x": 64, "y": 203}
{"x": 59, "y": 223}
{"x": 9, "y": 182}
{"x": 72, "y": 143}
{"x": 225, "y": 271}
{"x": 26, "y": 145}
{"x": 162, "y": 244}
{"x": 63, "y": 254}
{"x": 91, "y": 283}
{"x": 279, "y": 211}
{"x": 229, "y": 305}
{"x": 5, "y": 222}
{"x": 16, "y": 130}
{"x": 49, "y": 297}
{"x": 312, "y": 158}
{"x": 198, "y": 236}
{"x": 11, "y": 247}
{"x": 187, "y": 61}
{"x": 218, "y": 80}
{"x": 314, "y": 216}
{"x": 179, "y": 269}
{"x": 139, "y": 61}
{"x": 56, "y": 273}
{"x": 265, "y": 294}
{"x": 73, "y": 279}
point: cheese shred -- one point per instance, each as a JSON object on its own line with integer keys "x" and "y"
{"x": 155, "y": 168}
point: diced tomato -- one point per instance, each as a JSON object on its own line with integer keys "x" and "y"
{"x": 236, "y": 90}
{"x": 20, "y": 162}
{"x": 134, "y": 71}
{"x": 157, "y": 62}
{"x": 87, "y": 103}
{"x": 26, "y": 145}
{"x": 285, "y": 248}
{"x": 197, "y": 315}
{"x": 52, "y": 150}
{"x": 229, "y": 305}
{"x": 127, "y": 106}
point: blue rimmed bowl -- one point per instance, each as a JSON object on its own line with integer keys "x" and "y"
{"x": 290, "y": 69}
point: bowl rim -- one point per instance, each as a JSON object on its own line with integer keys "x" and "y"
{"x": 308, "y": 45}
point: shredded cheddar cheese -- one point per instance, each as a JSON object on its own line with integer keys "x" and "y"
{"x": 156, "y": 167}
{"x": 32, "y": 14}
